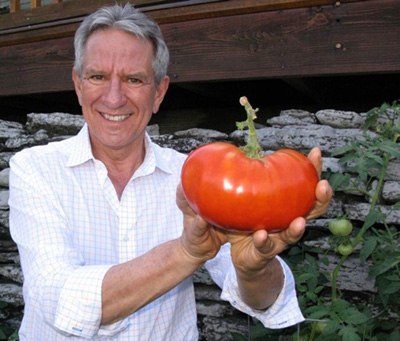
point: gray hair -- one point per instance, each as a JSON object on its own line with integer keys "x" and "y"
{"x": 128, "y": 19}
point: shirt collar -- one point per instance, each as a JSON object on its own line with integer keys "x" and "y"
{"x": 81, "y": 152}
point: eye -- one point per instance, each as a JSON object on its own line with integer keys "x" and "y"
{"x": 135, "y": 81}
{"x": 95, "y": 79}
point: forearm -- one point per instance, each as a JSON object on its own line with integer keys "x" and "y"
{"x": 129, "y": 286}
{"x": 260, "y": 289}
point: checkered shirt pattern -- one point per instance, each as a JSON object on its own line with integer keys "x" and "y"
{"x": 70, "y": 228}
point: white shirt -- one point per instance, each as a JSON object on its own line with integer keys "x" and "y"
{"x": 70, "y": 228}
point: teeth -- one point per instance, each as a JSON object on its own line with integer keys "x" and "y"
{"x": 118, "y": 118}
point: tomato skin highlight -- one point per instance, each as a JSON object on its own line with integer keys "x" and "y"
{"x": 232, "y": 191}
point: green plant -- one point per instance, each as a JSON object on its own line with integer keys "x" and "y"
{"x": 7, "y": 332}
{"x": 330, "y": 315}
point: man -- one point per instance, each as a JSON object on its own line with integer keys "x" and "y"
{"x": 105, "y": 250}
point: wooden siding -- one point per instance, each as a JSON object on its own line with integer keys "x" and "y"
{"x": 222, "y": 40}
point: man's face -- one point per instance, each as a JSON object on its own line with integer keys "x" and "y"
{"x": 117, "y": 90}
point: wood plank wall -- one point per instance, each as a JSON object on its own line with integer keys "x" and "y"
{"x": 357, "y": 37}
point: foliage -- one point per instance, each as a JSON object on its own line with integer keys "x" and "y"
{"x": 330, "y": 315}
{"x": 7, "y": 332}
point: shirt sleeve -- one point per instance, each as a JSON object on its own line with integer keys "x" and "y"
{"x": 65, "y": 292}
{"x": 283, "y": 313}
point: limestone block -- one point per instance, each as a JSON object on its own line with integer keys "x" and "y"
{"x": 202, "y": 276}
{"x": 9, "y": 257}
{"x": 391, "y": 191}
{"x": 55, "y": 123}
{"x": 4, "y": 195}
{"x": 220, "y": 329}
{"x": 10, "y": 129}
{"x": 24, "y": 141}
{"x": 340, "y": 119}
{"x": 12, "y": 294}
{"x": 292, "y": 117}
{"x": 4, "y": 175}
{"x": 207, "y": 292}
{"x": 353, "y": 275}
{"x": 5, "y": 159}
{"x": 202, "y": 134}
{"x": 215, "y": 309}
{"x": 4, "y": 220}
{"x": 12, "y": 271}
{"x": 359, "y": 211}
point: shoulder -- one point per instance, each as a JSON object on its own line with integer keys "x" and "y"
{"x": 44, "y": 155}
{"x": 170, "y": 156}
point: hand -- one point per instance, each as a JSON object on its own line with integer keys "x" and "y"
{"x": 253, "y": 251}
{"x": 200, "y": 240}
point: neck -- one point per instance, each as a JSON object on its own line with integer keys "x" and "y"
{"x": 122, "y": 164}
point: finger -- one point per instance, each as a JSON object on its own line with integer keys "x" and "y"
{"x": 182, "y": 203}
{"x": 260, "y": 239}
{"x": 200, "y": 226}
{"x": 316, "y": 159}
{"x": 324, "y": 194}
{"x": 294, "y": 232}
{"x": 274, "y": 243}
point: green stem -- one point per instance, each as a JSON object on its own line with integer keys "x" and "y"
{"x": 364, "y": 228}
{"x": 252, "y": 149}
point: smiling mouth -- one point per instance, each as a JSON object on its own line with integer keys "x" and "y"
{"x": 114, "y": 118}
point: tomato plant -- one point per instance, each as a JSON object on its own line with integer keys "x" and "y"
{"x": 340, "y": 227}
{"x": 241, "y": 189}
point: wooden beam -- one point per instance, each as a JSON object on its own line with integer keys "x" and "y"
{"x": 15, "y": 6}
{"x": 36, "y": 3}
{"x": 350, "y": 39}
{"x": 57, "y": 11}
{"x": 353, "y": 38}
{"x": 160, "y": 11}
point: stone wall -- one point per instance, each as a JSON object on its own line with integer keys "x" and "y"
{"x": 296, "y": 129}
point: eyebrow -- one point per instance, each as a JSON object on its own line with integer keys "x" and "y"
{"x": 134, "y": 74}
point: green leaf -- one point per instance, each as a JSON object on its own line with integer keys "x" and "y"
{"x": 340, "y": 305}
{"x": 394, "y": 336}
{"x": 390, "y": 147}
{"x": 303, "y": 278}
{"x": 381, "y": 267}
{"x": 349, "y": 333}
{"x": 368, "y": 247}
{"x": 295, "y": 250}
{"x": 345, "y": 149}
{"x": 337, "y": 180}
{"x": 372, "y": 218}
{"x": 391, "y": 288}
{"x": 331, "y": 327}
{"x": 353, "y": 316}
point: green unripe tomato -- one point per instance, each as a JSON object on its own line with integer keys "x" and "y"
{"x": 340, "y": 227}
{"x": 320, "y": 327}
{"x": 345, "y": 249}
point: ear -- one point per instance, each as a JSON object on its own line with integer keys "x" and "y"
{"x": 160, "y": 93}
{"x": 78, "y": 85}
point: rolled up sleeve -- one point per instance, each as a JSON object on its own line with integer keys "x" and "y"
{"x": 79, "y": 306}
{"x": 284, "y": 312}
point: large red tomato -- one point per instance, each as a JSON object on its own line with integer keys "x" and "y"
{"x": 232, "y": 191}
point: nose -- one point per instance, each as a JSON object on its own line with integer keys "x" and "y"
{"x": 113, "y": 95}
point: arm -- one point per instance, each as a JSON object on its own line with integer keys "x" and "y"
{"x": 259, "y": 275}
{"x": 72, "y": 296}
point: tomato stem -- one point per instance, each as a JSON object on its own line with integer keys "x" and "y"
{"x": 252, "y": 149}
